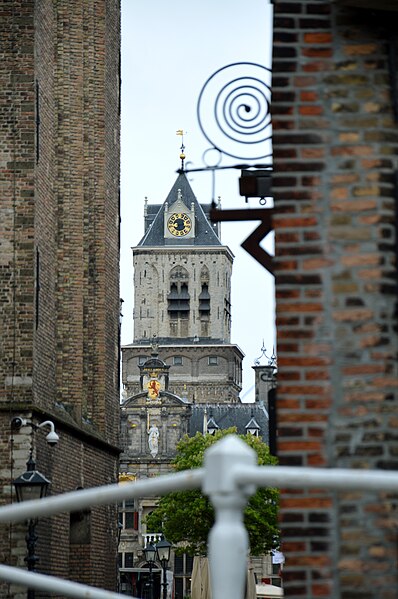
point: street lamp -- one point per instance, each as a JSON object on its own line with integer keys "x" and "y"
{"x": 31, "y": 485}
{"x": 150, "y": 554}
{"x": 163, "y": 552}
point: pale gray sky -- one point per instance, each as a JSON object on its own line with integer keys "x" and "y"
{"x": 169, "y": 50}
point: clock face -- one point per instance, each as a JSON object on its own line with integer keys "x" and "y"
{"x": 179, "y": 224}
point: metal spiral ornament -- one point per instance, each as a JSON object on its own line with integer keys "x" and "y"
{"x": 234, "y": 111}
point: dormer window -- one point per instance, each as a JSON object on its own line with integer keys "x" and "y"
{"x": 252, "y": 427}
{"x": 212, "y": 426}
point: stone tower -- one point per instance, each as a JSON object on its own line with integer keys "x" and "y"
{"x": 59, "y": 253}
{"x": 182, "y": 284}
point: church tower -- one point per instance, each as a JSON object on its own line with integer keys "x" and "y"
{"x": 182, "y": 285}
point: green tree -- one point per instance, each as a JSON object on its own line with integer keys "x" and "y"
{"x": 186, "y": 517}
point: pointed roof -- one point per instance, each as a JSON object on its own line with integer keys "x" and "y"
{"x": 252, "y": 424}
{"x": 212, "y": 424}
{"x": 205, "y": 231}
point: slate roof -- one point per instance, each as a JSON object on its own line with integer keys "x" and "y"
{"x": 205, "y": 232}
{"x": 225, "y": 416}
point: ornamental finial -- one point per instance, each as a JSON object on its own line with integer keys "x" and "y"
{"x": 180, "y": 132}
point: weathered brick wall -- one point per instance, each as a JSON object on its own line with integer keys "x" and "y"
{"x": 86, "y": 204}
{"x": 59, "y": 258}
{"x": 17, "y": 201}
{"x": 335, "y": 144}
{"x": 60, "y": 207}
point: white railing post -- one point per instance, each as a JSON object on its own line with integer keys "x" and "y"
{"x": 230, "y": 475}
{"x": 228, "y": 544}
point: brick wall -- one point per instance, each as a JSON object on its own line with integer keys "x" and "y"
{"x": 335, "y": 144}
{"x": 77, "y": 461}
{"x": 59, "y": 258}
{"x": 77, "y": 234}
{"x": 17, "y": 199}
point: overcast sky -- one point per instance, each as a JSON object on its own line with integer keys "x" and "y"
{"x": 169, "y": 50}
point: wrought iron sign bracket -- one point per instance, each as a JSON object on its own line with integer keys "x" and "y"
{"x": 252, "y": 243}
{"x": 233, "y": 112}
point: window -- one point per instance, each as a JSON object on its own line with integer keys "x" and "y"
{"x": 182, "y": 575}
{"x": 129, "y": 519}
{"x": 142, "y": 360}
{"x": 178, "y": 298}
{"x": 80, "y": 527}
{"x": 128, "y": 515}
{"x": 213, "y": 360}
{"x": 204, "y": 300}
{"x": 177, "y": 360}
{"x": 126, "y": 560}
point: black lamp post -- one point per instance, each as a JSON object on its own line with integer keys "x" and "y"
{"x": 163, "y": 552}
{"x": 31, "y": 485}
{"x": 150, "y": 555}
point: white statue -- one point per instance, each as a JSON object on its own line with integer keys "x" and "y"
{"x": 153, "y": 440}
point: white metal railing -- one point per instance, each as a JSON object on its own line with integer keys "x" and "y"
{"x": 229, "y": 476}
{"x": 153, "y": 537}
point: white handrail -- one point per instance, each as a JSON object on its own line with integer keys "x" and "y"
{"x": 53, "y": 584}
{"x": 229, "y": 477}
{"x": 291, "y": 477}
{"x": 78, "y": 500}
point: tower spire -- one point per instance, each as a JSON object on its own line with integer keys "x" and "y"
{"x": 180, "y": 132}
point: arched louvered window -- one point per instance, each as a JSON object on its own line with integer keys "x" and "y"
{"x": 178, "y": 299}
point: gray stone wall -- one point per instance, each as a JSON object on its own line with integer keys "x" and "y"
{"x": 197, "y": 378}
{"x": 152, "y": 269}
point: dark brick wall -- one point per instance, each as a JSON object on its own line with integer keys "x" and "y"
{"x": 59, "y": 261}
{"x": 335, "y": 147}
{"x": 17, "y": 198}
{"x": 57, "y": 554}
{"x": 77, "y": 234}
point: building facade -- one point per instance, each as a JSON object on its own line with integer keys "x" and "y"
{"x": 182, "y": 285}
{"x": 59, "y": 254}
{"x": 182, "y": 374}
{"x": 335, "y": 186}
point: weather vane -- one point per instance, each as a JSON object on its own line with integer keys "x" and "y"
{"x": 180, "y": 132}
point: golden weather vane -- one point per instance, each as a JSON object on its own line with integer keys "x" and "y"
{"x": 180, "y": 132}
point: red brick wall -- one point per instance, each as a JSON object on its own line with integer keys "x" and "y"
{"x": 335, "y": 142}
{"x": 59, "y": 258}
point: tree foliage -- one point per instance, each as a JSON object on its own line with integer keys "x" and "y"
{"x": 186, "y": 517}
